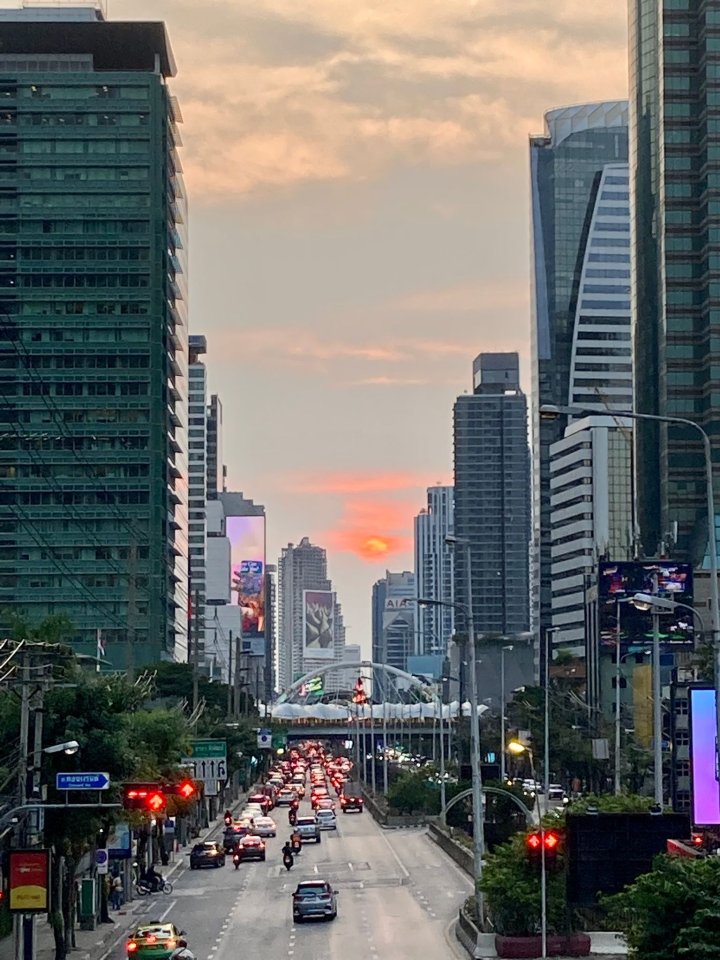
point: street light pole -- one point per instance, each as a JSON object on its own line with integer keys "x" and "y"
{"x": 503, "y": 770}
{"x": 657, "y": 709}
{"x": 552, "y": 411}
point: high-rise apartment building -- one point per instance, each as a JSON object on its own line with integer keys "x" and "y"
{"x": 93, "y": 332}
{"x": 581, "y": 298}
{"x": 674, "y": 71}
{"x": 197, "y": 488}
{"x": 434, "y": 571}
{"x": 301, "y": 568}
{"x": 394, "y": 622}
{"x": 492, "y": 496}
{"x": 215, "y": 465}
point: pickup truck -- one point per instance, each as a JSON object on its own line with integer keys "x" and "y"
{"x": 309, "y": 829}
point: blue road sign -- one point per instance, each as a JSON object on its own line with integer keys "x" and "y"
{"x": 82, "y": 781}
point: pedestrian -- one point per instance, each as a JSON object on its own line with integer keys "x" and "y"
{"x": 116, "y": 892}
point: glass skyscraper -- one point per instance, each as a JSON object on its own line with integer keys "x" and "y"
{"x": 675, "y": 97}
{"x": 579, "y": 322}
{"x": 93, "y": 331}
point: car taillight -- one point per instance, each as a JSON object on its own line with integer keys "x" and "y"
{"x": 172, "y": 944}
{"x": 131, "y": 947}
{"x": 151, "y": 938}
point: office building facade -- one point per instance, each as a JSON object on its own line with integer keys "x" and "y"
{"x": 434, "y": 559}
{"x": 394, "y": 624}
{"x": 492, "y": 496}
{"x": 674, "y": 72}
{"x": 93, "y": 333}
{"x": 578, "y": 182}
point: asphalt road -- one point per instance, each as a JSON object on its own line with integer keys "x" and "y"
{"x": 397, "y": 896}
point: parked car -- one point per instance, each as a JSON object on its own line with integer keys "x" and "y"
{"x": 207, "y": 854}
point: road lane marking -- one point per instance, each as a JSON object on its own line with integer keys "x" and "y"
{"x": 173, "y": 904}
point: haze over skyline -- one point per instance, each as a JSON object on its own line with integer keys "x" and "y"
{"x": 358, "y": 186}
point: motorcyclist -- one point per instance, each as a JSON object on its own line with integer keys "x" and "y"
{"x": 182, "y": 952}
{"x": 288, "y": 858}
{"x": 153, "y": 878}
{"x": 295, "y": 841}
{"x": 292, "y": 817}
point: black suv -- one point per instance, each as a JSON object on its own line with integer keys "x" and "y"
{"x": 208, "y": 854}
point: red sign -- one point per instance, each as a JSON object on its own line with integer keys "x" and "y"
{"x": 29, "y": 881}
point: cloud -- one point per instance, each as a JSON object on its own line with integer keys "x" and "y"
{"x": 282, "y": 92}
{"x": 372, "y": 530}
{"x": 353, "y": 483}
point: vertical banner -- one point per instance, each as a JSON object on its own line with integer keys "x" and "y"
{"x": 247, "y": 557}
{"x": 318, "y": 625}
{"x": 29, "y": 881}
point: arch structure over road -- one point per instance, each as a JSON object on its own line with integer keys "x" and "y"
{"x": 283, "y": 709}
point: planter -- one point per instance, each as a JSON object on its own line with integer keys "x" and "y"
{"x": 529, "y": 948}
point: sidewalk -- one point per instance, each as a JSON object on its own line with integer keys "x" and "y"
{"x": 97, "y": 944}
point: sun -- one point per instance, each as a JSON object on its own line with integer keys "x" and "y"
{"x": 376, "y": 546}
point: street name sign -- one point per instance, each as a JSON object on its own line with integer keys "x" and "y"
{"x": 82, "y": 781}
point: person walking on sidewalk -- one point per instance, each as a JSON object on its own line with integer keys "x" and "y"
{"x": 116, "y": 892}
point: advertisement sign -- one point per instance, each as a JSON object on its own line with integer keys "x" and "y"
{"x": 318, "y": 625}
{"x": 29, "y": 881}
{"x": 247, "y": 572}
{"x": 119, "y": 843}
{"x": 703, "y": 731}
{"x": 667, "y": 578}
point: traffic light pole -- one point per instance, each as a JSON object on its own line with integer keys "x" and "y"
{"x": 546, "y": 785}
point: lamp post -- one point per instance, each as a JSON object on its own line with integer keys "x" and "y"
{"x": 476, "y": 771}
{"x": 552, "y": 411}
{"x": 502, "y": 711}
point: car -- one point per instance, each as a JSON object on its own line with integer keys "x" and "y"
{"x": 556, "y": 794}
{"x": 324, "y": 803}
{"x": 285, "y": 797}
{"x": 314, "y": 898}
{"x": 155, "y": 940}
{"x": 234, "y": 834}
{"x": 207, "y": 854}
{"x": 351, "y": 803}
{"x": 250, "y": 848}
{"x": 252, "y": 811}
{"x": 326, "y": 819}
{"x": 265, "y": 827}
{"x": 262, "y": 800}
{"x": 308, "y": 829}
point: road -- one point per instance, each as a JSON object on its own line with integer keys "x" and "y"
{"x": 398, "y": 894}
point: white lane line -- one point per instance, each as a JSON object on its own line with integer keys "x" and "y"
{"x": 173, "y": 904}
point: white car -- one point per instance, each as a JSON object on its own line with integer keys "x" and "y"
{"x": 253, "y": 810}
{"x": 326, "y": 819}
{"x": 265, "y": 827}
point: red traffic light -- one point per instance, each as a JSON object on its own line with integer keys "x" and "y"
{"x": 697, "y": 839}
{"x": 552, "y": 841}
{"x": 186, "y": 789}
{"x": 533, "y": 842}
{"x": 143, "y": 796}
{"x": 549, "y": 839}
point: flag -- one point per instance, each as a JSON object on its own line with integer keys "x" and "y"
{"x": 100, "y": 650}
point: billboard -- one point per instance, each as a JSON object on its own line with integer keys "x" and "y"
{"x": 705, "y": 787}
{"x": 318, "y": 625}
{"x": 29, "y": 881}
{"x": 619, "y": 580}
{"x": 247, "y": 577}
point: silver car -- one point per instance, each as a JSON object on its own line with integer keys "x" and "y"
{"x": 314, "y": 898}
{"x": 265, "y": 827}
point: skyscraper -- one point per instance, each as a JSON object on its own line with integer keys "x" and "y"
{"x": 215, "y": 465}
{"x": 394, "y": 620}
{"x": 492, "y": 496}
{"x": 197, "y": 486}
{"x": 434, "y": 571}
{"x": 674, "y": 66}
{"x": 93, "y": 331}
{"x": 303, "y": 568}
{"x": 580, "y": 236}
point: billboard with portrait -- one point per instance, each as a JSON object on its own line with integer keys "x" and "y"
{"x": 247, "y": 574}
{"x": 620, "y": 580}
{"x": 703, "y": 731}
{"x": 318, "y": 625}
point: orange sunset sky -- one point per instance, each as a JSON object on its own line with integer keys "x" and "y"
{"x": 357, "y": 174}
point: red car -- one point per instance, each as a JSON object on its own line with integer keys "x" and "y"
{"x": 250, "y": 848}
{"x": 264, "y": 801}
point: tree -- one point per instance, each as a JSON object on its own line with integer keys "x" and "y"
{"x": 671, "y": 912}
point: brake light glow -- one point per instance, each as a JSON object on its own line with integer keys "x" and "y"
{"x": 131, "y": 947}
{"x": 151, "y": 938}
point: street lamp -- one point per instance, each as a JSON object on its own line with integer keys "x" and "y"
{"x": 553, "y": 411}
{"x": 507, "y": 648}
{"x": 69, "y": 747}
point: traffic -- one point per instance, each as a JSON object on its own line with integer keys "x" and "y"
{"x": 305, "y": 788}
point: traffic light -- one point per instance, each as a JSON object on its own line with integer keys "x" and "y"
{"x": 551, "y": 840}
{"x": 144, "y": 796}
{"x": 186, "y": 789}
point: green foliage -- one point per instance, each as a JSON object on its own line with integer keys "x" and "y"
{"x": 53, "y": 629}
{"x": 511, "y": 885}
{"x": 609, "y": 803}
{"x": 160, "y": 738}
{"x": 414, "y": 793}
{"x": 671, "y": 912}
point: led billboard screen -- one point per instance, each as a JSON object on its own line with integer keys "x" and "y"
{"x": 703, "y": 729}
{"x": 621, "y": 580}
{"x": 318, "y": 625}
{"x": 247, "y": 572}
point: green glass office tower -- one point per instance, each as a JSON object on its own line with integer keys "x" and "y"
{"x": 675, "y": 104}
{"x": 93, "y": 334}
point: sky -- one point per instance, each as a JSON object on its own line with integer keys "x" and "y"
{"x": 358, "y": 185}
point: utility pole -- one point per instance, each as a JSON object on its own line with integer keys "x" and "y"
{"x": 236, "y": 678}
{"x": 196, "y": 651}
{"x": 230, "y": 676}
{"x": 24, "y": 923}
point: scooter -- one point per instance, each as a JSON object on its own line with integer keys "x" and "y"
{"x": 288, "y": 860}
{"x": 236, "y": 860}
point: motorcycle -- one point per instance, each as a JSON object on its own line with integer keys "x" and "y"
{"x": 144, "y": 887}
{"x": 236, "y": 860}
{"x": 292, "y": 817}
{"x": 288, "y": 860}
{"x": 228, "y": 818}
{"x": 296, "y": 844}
